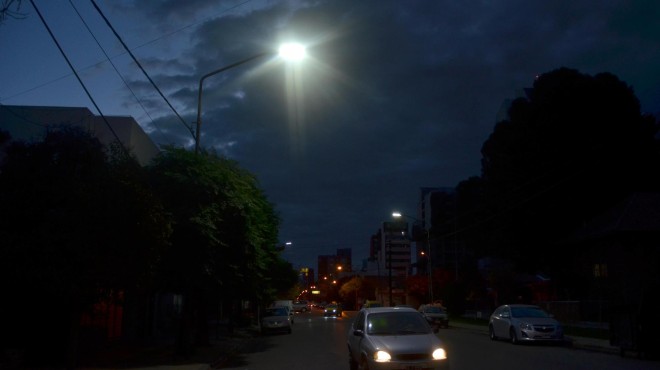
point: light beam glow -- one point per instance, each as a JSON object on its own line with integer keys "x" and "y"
{"x": 292, "y": 51}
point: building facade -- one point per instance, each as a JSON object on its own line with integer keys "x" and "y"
{"x": 32, "y": 123}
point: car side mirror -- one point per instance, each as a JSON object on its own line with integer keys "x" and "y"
{"x": 505, "y": 315}
{"x": 358, "y": 333}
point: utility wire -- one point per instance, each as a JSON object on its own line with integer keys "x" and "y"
{"x": 111, "y": 63}
{"x": 78, "y": 77}
{"x": 141, "y": 68}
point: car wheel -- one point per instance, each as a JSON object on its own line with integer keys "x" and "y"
{"x": 352, "y": 364}
{"x": 491, "y": 333}
{"x": 289, "y": 331}
{"x": 514, "y": 336}
{"x": 363, "y": 364}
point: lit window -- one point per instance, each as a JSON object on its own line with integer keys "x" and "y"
{"x": 600, "y": 270}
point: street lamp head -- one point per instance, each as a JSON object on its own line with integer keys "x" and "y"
{"x": 396, "y": 214}
{"x": 292, "y": 51}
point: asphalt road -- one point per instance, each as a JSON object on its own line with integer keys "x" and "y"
{"x": 320, "y": 343}
{"x": 316, "y": 343}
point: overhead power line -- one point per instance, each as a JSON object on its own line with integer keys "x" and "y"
{"x": 78, "y": 77}
{"x": 110, "y": 61}
{"x": 141, "y": 68}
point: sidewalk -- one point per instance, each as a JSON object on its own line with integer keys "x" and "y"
{"x": 591, "y": 344}
{"x": 204, "y": 358}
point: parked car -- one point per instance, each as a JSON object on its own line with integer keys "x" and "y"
{"x": 435, "y": 314}
{"x": 523, "y": 323}
{"x": 285, "y": 303}
{"x": 276, "y": 319}
{"x": 300, "y": 306}
{"x": 333, "y": 309}
{"x": 394, "y": 338}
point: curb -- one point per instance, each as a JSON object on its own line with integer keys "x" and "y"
{"x": 582, "y": 343}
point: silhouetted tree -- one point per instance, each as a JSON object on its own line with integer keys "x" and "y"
{"x": 11, "y": 9}
{"x": 354, "y": 290}
{"x": 572, "y": 147}
{"x": 224, "y": 235}
{"x": 74, "y": 224}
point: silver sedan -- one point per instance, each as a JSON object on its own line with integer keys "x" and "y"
{"x": 524, "y": 323}
{"x": 394, "y": 338}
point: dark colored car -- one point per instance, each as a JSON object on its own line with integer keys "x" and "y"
{"x": 333, "y": 309}
{"x": 435, "y": 314}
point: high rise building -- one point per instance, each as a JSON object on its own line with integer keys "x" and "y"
{"x": 345, "y": 259}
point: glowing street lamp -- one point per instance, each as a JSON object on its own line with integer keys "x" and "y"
{"x": 292, "y": 51}
{"x": 288, "y": 51}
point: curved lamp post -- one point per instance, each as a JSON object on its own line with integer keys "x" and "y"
{"x": 289, "y": 51}
{"x": 428, "y": 242}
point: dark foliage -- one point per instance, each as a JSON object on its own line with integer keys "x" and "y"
{"x": 73, "y": 225}
{"x": 576, "y": 145}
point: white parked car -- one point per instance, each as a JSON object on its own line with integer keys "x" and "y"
{"x": 285, "y": 303}
{"x": 276, "y": 319}
{"x": 524, "y": 323}
{"x": 394, "y": 338}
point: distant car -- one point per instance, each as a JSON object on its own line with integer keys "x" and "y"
{"x": 394, "y": 338}
{"x": 524, "y": 323}
{"x": 435, "y": 314}
{"x": 372, "y": 304}
{"x": 300, "y": 306}
{"x": 276, "y": 319}
{"x": 332, "y": 309}
{"x": 285, "y": 303}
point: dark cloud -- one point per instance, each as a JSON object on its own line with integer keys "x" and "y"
{"x": 403, "y": 97}
{"x": 397, "y": 95}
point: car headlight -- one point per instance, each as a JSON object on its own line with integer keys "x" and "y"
{"x": 526, "y": 326}
{"x": 439, "y": 354}
{"x": 382, "y": 356}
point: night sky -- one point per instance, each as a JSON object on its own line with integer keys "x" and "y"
{"x": 395, "y": 95}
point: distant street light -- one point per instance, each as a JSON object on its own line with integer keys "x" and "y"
{"x": 283, "y": 247}
{"x": 289, "y": 51}
{"x": 429, "y": 266}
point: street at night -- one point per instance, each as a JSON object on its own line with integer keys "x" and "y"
{"x": 320, "y": 343}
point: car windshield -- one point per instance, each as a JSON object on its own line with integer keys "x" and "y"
{"x": 528, "y": 312}
{"x": 277, "y": 311}
{"x": 434, "y": 310}
{"x": 397, "y": 323}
